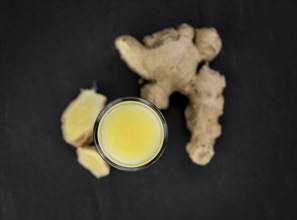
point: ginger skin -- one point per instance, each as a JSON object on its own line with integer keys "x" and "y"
{"x": 168, "y": 59}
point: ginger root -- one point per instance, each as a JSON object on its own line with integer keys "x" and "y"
{"x": 77, "y": 128}
{"x": 89, "y": 158}
{"x": 79, "y": 117}
{"x": 168, "y": 59}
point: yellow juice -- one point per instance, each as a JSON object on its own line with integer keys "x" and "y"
{"x": 130, "y": 134}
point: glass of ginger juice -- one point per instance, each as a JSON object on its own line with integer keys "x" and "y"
{"x": 130, "y": 133}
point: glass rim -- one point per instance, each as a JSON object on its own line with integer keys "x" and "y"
{"x": 106, "y": 109}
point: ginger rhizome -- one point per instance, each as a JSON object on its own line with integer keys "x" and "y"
{"x": 168, "y": 59}
{"x": 79, "y": 117}
{"x": 90, "y": 159}
{"x": 77, "y": 124}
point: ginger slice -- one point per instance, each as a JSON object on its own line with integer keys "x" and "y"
{"x": 89, "y": 158}
{"x": 79, "y": 117}
{"x": 168, "y": 60}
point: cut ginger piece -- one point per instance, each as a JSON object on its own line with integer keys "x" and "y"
{"x": 79, "y": 117}
{"x": 90, "y": 159}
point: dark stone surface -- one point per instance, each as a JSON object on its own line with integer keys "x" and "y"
{"x": 49, "y": 50}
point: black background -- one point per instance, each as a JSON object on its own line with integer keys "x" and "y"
{"x": 49, "y": 50}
